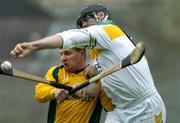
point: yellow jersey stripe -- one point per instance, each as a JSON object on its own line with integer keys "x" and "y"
{"x": 94, "y": 53}
{"x": 113, "y": 31}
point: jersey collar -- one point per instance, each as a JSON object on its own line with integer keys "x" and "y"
{"x": 104, "y": 22}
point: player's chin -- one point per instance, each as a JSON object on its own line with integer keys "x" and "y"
{"x": 67, "y": 67}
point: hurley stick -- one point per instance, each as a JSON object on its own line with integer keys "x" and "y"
{"x": 7, "y": 69}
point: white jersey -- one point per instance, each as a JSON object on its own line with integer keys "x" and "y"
{"x": 108, "y": 46}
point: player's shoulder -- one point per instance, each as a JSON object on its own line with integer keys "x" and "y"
{"x": 101, "y": 27}
{"x": 94, "y": 29}
{"x": 52, "y": 68}
{"x": 54, "y": 71}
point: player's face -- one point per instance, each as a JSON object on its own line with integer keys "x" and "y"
{"x": 72, "y": 59}
{"x": 88, "y": 22}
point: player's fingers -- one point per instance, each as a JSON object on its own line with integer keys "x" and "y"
{"x": 16, "y": 55}
{"x": 16, "y": 50}
{"x": 21, "y": 55}
{"x": 19, "y": 48}
{"x": 57, "y": 93}
{"x": 13, "y": 54}
{"x": 66, "y": 95}
{"x": 80, "y": 93}
{"x": 61, "y": 95}
{"x": 24, "y": 45}
{"x": 61, "y": 98}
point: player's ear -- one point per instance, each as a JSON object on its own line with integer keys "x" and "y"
{"x": 101, "y": 15}
{"x": 83, "y": 52}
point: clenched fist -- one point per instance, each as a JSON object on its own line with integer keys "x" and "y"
{"x": 22, "y": 49}
{"x": 61, "y": 95}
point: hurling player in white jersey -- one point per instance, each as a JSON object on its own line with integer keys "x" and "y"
{"x": 132, "y": 89}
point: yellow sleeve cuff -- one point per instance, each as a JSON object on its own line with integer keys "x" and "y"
{"x": 51, "y": 94}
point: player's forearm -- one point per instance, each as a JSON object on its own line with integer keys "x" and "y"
{"x": 92, "y": 90}
{"x": 54, "y": 41}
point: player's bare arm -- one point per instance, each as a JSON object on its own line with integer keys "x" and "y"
{"x": 23, "y": 49}
{"x": 90, "y": 91}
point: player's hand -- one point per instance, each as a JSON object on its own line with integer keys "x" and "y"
{"x": 90, "y": 72}
{"x": 61, "y": 95}
{"x": 80, "y": 93}
{"x": 22, "y": 49}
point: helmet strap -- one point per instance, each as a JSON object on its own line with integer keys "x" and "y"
{"x": 106, "y": 17}
{"x": 95, "y": 15}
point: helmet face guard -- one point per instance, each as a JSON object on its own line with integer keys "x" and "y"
{"x": 90, "y": 11}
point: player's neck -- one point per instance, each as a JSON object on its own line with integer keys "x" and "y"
{"x": 81, "y": 69}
